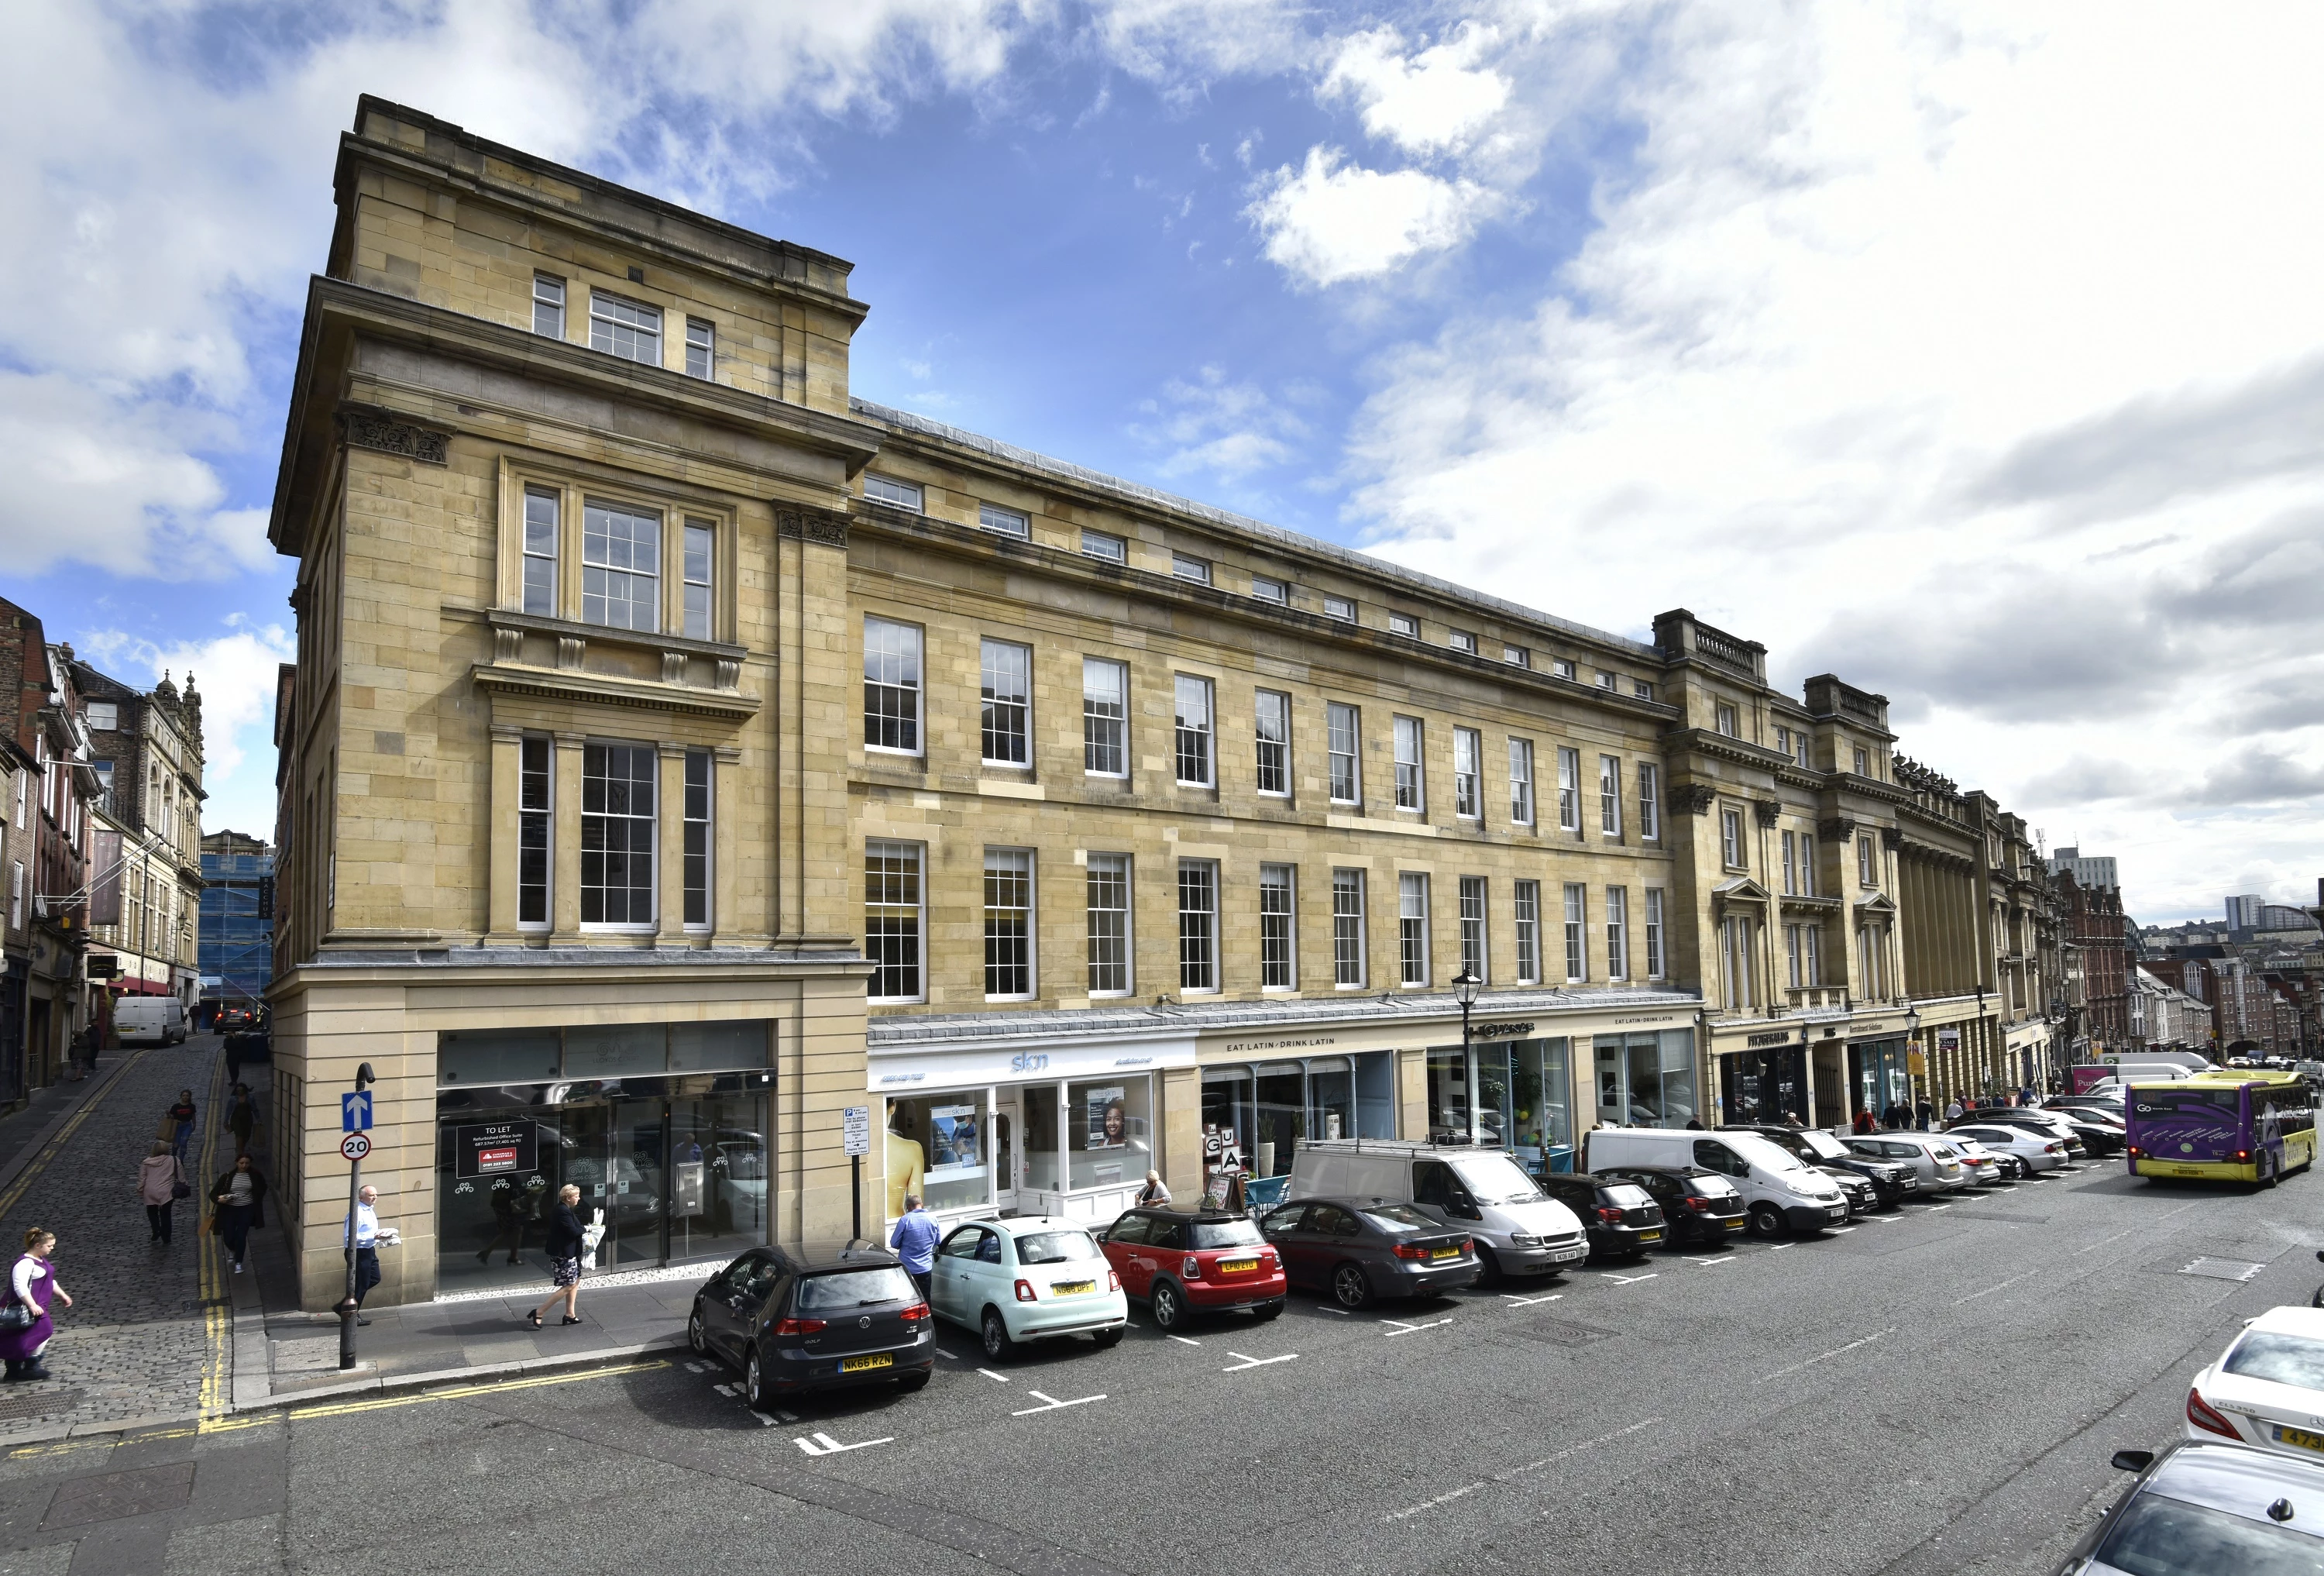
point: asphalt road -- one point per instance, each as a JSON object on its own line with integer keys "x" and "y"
{"x": 1937, "y": 1390}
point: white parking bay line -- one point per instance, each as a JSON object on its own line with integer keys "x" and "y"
{"x": 1252, "y": 1362}
{"x": 1997, "y": 1285}
{"x": 1341, "y": 1311}
{"x": 726, "y": 1389}
{"x": 1629, "y": 1279}
{"x": 697, "y": 1368}
{"x": 823, "y": 1444}
{"x": 1051, "y": 1404}
{"x": 1529, "y": 1302}
{"x": 954, "y": 1355}
{"x": 989, "y": 1374}
{"x": 1404, "y": 1329}
{"x": 1730, "y": 1258}
{"x": 1468, "y": 1488}
{"x": 1820, "y": 1356}
{"x": 786, "y": 1418}
{"x": 1184, "y": 1342}
{"x": 1842, "y": 1231}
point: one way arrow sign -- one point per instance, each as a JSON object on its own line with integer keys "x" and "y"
{"x": 354, "y": 1112}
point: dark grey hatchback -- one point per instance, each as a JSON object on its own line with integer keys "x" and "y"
{"x": 1360, "y": 1250}
{"x": 815, "y": 1315}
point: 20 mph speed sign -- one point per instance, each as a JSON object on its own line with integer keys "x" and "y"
{"x": 355, "y": 1146}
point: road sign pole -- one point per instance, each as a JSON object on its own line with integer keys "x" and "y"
{"x": 856, "y": 1171}
{"x": 855, "y": 1137}
{"x": 349, "y": 1308}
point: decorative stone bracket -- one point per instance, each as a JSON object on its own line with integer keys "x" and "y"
{"x": 820, "y": 526}
{"x": 377, "y": 429}
{"x": 1766, "y": 812}
{"x": 1836, "y": 829}
{"x": 1694, "y": 798}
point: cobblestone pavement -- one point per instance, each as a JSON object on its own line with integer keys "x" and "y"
{"x": 134, "y": 1344}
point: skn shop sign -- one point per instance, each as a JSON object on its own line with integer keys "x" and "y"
{"x": 494, "y": 1148}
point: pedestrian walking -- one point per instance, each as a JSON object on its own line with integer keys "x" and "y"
{"x": 1154, "y": 1192}
{"x": 160, "y": 1184}
{"x": 563, "y": 1246}
{"x": 234, "y": 1054}
{"x": 915, "y": 1242}
{"x": 237, "y": 1203}
{"x": 26, "y": 1324}
{"x": 181, "y": 1119}
{"x": 1924, "y": 1111}
{"x": 365, "y": 1235}
{"x": 1953, "y": 1110}
{"x": 242, "y": 1119}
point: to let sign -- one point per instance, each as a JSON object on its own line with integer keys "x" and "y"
{"x": 494, "y": 1148}
{"x": 855, "y": 1128}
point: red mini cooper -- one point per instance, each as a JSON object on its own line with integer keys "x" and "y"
{"x": 1182, "y": 1265}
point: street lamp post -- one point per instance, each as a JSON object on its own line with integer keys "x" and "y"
{"x": 1912, "y": 1043}
{"x": 1465, "y": 992}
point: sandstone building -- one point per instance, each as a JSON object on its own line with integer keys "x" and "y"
{"x": 682, "y": 752}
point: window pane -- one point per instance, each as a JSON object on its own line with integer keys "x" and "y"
{"x": 1411, "y": 927}
{"x": 617, "y": 833}
{"x": 1006, "y": 522}
{"x": 1528, "y": 932}
{"x": 1186, "y": 569}
{"x": 882, "y": 490}
{"x": 892, "y": 685}
{"x": 698, "y": 837}
{"x": 1109, "y": 924}
{"x": 701, "y": 343}
{"x": 629, "y": 329}
{"x": 699, "y": 538}
{"x": 1521, "y": 781}
{"x": 1348, "y": 926}
{"x": 1274, "y": 742}
{"x": 1407, "y": 763}
{"x": 532, "y": 853}
{"x": 1618, "y": 934}
{"x": 1278, "y": 965}
{"x": 1341, "y": 725}
{"x": 621, "y": 567}
{"x": 1473, "y": 926}
{"x": 1194, "y": 730}
{"x": 549, "y": 306}
{"x": 1650, "y": 810}
{"x": 540, "y": 512}
{"x": 1106, "y": 717}
{"x": 1198, "y": 934}
{"x": 1008, "y": 679}
{"x": 891, "y": 919}
{"x": 1098, "y": 545}
{"x": 1653, "y": 933}
{"x": 1569, "y": 790}
{"x": 1008, "y": 922}
{"x": 1577, "y": 962}
{"x": 1466, "y": 749}
{"x": 1610, "y": 795}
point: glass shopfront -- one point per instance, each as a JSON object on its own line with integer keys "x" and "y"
{"x": 1646, "y": 1080}
{"x": 1024, "y": 1147}
{"x": 1254, "y": 1115}
{"x": 1524, "y": 1099}
{"x": 665, "y": 1128}
{"x": 1765, "y": 1086}
{"x": 1878, "y": 1076}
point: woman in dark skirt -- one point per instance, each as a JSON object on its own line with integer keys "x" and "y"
{"x": 564, "y": 1249}
{"x": 33, "y": 1284}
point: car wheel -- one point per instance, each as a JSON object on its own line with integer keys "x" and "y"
{"x": 754, "y": 1383}
{"x": 695, "y": 1337}
{"x": 1488, "y": 1268}
{"x": 1274, "y": 1310}
{"x": 1349, "y": 1287}
{"x": 1169, "y": 1307}
{"x": 1767, "y": 1221}
{"x": 997, "y": 1343}
{"x": 1107, "y": 1338}
{"x": 911, "y": 1382}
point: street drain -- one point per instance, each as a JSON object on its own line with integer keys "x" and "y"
{"x": 1558, "y": 1332}
{"x": 39, "y": 1403}
{"x": 2223, "y": 1268}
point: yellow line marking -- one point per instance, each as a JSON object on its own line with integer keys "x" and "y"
{"x": 217, "y": 1321}
{"x": 461, "y": 1392}
{"x": 31, "y": 1173}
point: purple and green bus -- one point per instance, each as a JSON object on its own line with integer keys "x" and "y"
{"x": 2233, "y": 1126}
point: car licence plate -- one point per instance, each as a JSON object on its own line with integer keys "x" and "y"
{"x": 1650, "y": 1236}
{"x": 2299, "y": 1436}
{"x": 856, "y": 1365}
{"x": 1071, "y": 1288}
{"x": 1445, "y": 1253}
{"x": 1237, "y": 1266}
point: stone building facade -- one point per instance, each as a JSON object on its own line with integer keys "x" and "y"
{"x": 146, "y": 747}
{"x": 682, "y": 752}
{"x": 44, "y": 1004}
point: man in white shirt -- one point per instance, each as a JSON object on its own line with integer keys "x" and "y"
{"x": 364, "y": 1237}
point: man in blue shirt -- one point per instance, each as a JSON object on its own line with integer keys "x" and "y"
{"x": 915, "y": 1241}
{"x": 362, "y": 1244}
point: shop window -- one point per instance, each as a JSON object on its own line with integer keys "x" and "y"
{"x": 1108, "y": 1131}
{"x": 1538, "y": 1115}
{"x": 1645, "y": 1079}
{"x": 513, "y": 1056}
{"x": 1330, "y": 1097}
{"x": 1282, "y": 1115}
{"x": 710, "y": 1047}
{"x": 937, "y": 1149}
{"x": 1448, "y": 1096}
{"x": 1229, "y": 1115}
{"x": 1041, "y": 1137}
{"x": 1376, "y": 1094}
{"x": 616, "y": 1050}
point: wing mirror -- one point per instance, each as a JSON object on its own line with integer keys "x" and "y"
{"x": 2132, "y": 1461}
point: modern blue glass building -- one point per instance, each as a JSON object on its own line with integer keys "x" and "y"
{"x": 237, "y": 934}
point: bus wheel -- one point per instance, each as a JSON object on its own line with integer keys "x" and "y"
{"x": 2267, "y": 1172}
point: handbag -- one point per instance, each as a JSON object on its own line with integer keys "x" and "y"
{"x": 16, "y": 1318}
{"x": 180, "y": 1190}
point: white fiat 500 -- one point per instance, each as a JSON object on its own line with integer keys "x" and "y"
{"x": 1031, "y": 1278}
{"x": 2267, "y": 1388}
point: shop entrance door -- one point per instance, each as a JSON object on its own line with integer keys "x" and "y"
{"x": 616, "y": 1154}
{"x": 1008, "y": 1165}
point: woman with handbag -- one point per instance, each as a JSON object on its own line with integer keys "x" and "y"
{"x": 566, "y": 1237}
{"x": 238, "y": 1201}
{"x": 160, "y": 1184}
{"x": 26, "y": 1325}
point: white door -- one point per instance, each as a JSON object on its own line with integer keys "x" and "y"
{"x": 1008, "y": 1136}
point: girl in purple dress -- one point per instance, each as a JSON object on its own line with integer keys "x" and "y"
{"x": 32, "y": 1283}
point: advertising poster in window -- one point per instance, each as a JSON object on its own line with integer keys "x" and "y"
{"x": 1109, "y": 1129}
{"x": 956, "y": 1145}
{"x": 492, "y": 1149}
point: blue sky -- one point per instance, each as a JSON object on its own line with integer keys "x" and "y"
{"x": 1928, "y": 344}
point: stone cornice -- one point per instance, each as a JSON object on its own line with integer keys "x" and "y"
{"x": 576, "y": 686}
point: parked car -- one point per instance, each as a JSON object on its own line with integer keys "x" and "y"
{"x": 2207, "y": 1507}
{"x": 1517, "y": 1229}
{"x": 2267, "y": 1388}
{"x": 1697, "y": 1205}
{"x": 1182, "y": 1265}
{"x": 1030, "y": 1277}
{"x": 1985, "y": 1168}
{"x": 2030, "y": 1152}
{"x": 2064, "y": 1126}
{"x": 1360, "y": 1250}
{"x": 1891, "y": 1180}
{"x": 1935, "y": 1161}
{"x": 814, "y": 1315}
{"x": 1854, "y": 1186}
{"x": 1621, "y": 1217}
{"x": 1780, "y": 1191}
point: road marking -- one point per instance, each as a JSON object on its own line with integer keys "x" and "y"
{"x": 726, "y": 1389}
{"x": 786, "y": 1418}
{"x": 1051, "y": 1404}
{"x": 1729, "y": 1259}
{"x": 1842, "y": 1231}
{"x": 1988, "y": 1291}
{"x": 1777, "y": 1247}
{"x": 1939, "y": 1209}
{"x": 765, "y": 1421}
{"x": 1252, "y": 1362}
{"x": 1468, "y": 1488}
{"x": 1629, "y": 1279}
{"x": 1529, "y": 1302}
{"x": 1820, "y": 1356}
{"x": 1404, "y": 1329}
{"x": 955, "y": 1356}
{"x": 1341, "y": 1311}
{"x": 823, "y": 1444}
{"x": 1184, "y": 1341}
{"x": 989, "y": 1374}
{"x": 697, "y": 1368}
{"x": 1881, "y": 1220}
{"x": 451, "y": 1393}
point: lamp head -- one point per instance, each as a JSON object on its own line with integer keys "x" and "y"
{"x": 1464, "y": 988}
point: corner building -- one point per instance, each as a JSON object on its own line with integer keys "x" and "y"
{"x": 681, "y": 751}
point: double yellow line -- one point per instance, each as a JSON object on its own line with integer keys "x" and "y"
{"x": 217, "y": 1301}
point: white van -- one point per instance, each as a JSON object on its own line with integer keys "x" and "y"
{"x": 1783, "y": 1193}
{"x": 150, "y": 1020}
{"x": 1518, "y": 1229}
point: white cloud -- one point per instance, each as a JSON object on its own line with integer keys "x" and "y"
{"x": 1898, "y": 327}
{"x": 1328, "y": 222}
{"x": 235, "y": 673}
{"x": 1218, "y": 427}
{"x": 1434, "y": 102}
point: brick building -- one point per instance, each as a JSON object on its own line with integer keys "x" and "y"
{"x": 43, "y": 995}
{"x": 2091, "y": 919}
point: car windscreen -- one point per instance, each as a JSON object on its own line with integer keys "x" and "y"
{"x": 2161, "y": 1536}
{"x": 855, "y": 1288}
{"x": 1711, "y": 1186}
{"x": 1764, "y": 1153}
{"x": 1398, "y": 1218}
{"x": 1225, "y": 1234}
{"x": 1055, "y": 1247}
{"x": 2209, "y": 1105}
{"x": 1626, "y": 1196}
{"x": 2280, "y": 1357}
{"x": 1495, "y": 1179}
{"x": 1824, "y": 1146}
